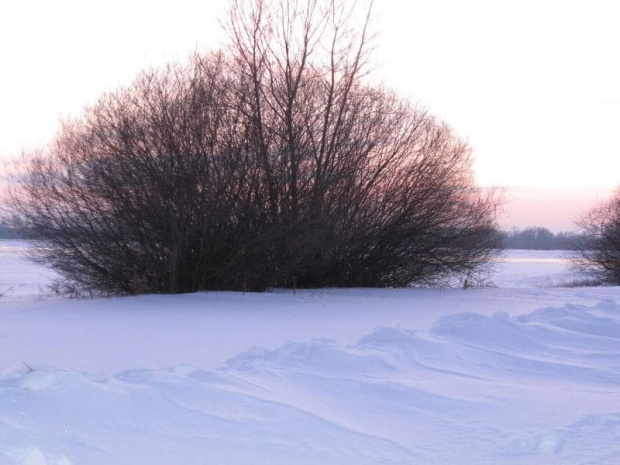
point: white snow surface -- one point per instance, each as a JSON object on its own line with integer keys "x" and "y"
{"x": 20, "y": 279}
{"x": 522, "y": 373}
{"x": 535, "y": 268}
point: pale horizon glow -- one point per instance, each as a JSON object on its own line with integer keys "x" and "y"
{"x": 553, "y": 208}
{"x": 533, "y": 85}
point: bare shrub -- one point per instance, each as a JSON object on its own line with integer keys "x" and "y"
{"x": 599, "y": 250}
{"x": 272, "y": 163}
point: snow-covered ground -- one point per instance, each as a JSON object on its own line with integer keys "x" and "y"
{"x": 524, "y": 373}
{"x": 20, "y": 279}
{"x": 535, "y": 269}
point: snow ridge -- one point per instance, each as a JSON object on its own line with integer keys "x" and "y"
{"x": 536, "y": 388}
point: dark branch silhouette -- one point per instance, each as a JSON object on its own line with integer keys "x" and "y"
{"x": 599, "y": 250}
{"x": 272, "y": 163}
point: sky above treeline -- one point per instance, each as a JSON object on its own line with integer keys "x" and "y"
{"x": 534, "y": 85}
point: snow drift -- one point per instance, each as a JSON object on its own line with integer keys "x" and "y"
{"x": 537, "y": 388}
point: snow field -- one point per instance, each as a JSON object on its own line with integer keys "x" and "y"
{"x": 19, "y": 278}
{"x": 508, "y": 375}
{"x": 537, "y": 388}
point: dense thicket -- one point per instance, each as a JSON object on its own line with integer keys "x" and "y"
{"x": 599, "y": 251}
{"x": 272, "y": 163}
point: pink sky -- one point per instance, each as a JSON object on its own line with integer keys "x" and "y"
{"x": 534, "y": 85}
{"x": 555, "y": 209}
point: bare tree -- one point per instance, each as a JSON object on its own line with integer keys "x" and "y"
{"x": 272, "y": 163}
{"x": 599, "y": 248}
{"x": 385, "y": 188}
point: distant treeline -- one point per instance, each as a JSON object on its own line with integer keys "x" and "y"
{"x": 537, "y": 238}
{"x": 10, "y": 229}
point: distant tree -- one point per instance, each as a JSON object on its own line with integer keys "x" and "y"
{"x": 273, "y": 163}
{"x": 5, "y": 230}
{"x": 599, "y": 250}
{"x": 12, "y": 228}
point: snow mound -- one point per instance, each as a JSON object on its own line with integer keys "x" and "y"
{"x": 538, "y": 388}
{"x": 32, "y": 455}
{"x": 322, "y": 356}
{"x": 601, "y": 320}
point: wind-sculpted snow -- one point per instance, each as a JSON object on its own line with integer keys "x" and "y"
{"x": 542, "y": 388}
